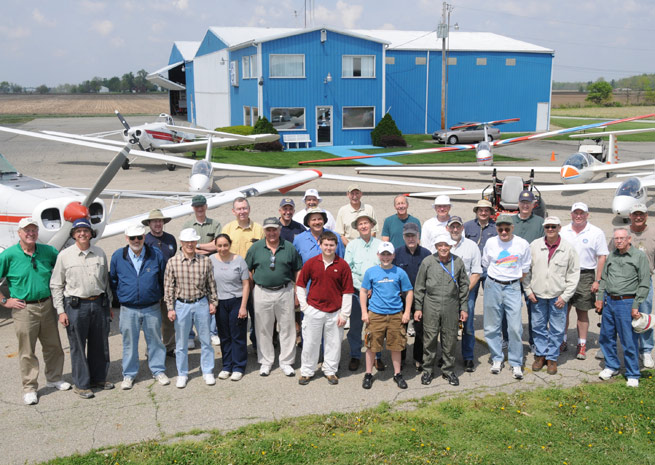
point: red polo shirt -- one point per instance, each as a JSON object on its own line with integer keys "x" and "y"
{"x": 328, "y": 285}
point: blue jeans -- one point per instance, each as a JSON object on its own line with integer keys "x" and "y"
{"x": 232, "y": 331}
{"x": 617, "y": 320}
{"x": 530, "y": 306}
{"x": 468, "y": 336}
{"x": 646, "y": 338}
{"x": 131, "y": 321}
{"x": 549, "y": 326}
{"x": 187, "y": 315}
{"x": 503, "y": 300}
{"x": 355, "y": 332}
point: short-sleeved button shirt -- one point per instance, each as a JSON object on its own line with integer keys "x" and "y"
{"x": 287, "y": 263}
{"x": 208, "y": 230}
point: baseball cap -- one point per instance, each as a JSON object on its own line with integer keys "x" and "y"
{"x": 442, "y": 200}
{"x": 287, "y": 201}
{"x": 639, "y": 207}
{"x": 312, "y": 193}
{"x": 135, "y": 230}
{"x": 82, "y": 223}
{"x": 271, "y": 222}
{"x": 198, "y": 200}
{"x": 25, "y": 222}
{"x": 454, "y": 219}
{"x": 363, "y": 215}
{"x": 579, "y": 206}
{"x": 189, "y": 235}
{"x": 504, "y": 218}
{"x": 444, "y": 238}
{"x": 525, "y": 196}
{"x": 643, "y": 323}
{"x": 354, "y": 187}
{"x": 410, "y": 228}
{"x": 552, "y": 220}
{"x": 386, "y": 247}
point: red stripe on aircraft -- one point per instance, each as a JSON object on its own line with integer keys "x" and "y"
{"x": 11, "y": 218}
{"x": 161, "y": 135}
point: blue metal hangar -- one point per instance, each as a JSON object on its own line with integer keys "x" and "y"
{"x": 331, "y": 87}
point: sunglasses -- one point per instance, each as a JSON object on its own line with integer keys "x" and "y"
{"x": 505, "y": 229}
{"x": 550, "y": 226}
{"x": 272, "y": 265}
{"x": 138, "y": 238}
{"x": 34, "y": 262}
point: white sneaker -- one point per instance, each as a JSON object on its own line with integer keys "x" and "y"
{"x": 236, "y": 376}
{"x": 496, "y": 367}
{"x": 411, "y": 332}
{"x": 647, "y": 360}
{"x": 216, "y": 341}
{"x": 30, "y": 398}
{"x": 163, "y": 379}
{"x": 264, "y": 370}
{"x": 517, "y": 372}
{"x": 288, "y": 370}
{"x": 62, "y": 385}
{"x": 607, "y": 374}
{"x": 181, "y": 382}
{"x": 192, "y": 344}
{"x": 224, "y": 374}
{"x": 632, "y": 382}
{"x": 127, "y": 383}
{"x": 209, "y": 379}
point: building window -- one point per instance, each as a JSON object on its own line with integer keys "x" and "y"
{"x": 246, "y": 116}
{"x": 452, "y": 61}
{"x": 390, "y": 60}
{"x": 510, "y": 61}
{"x": 358, "y": 66}
{"x": 481, "y": 61}
{"x": 420, "y": 61}
{"x": 358, "y": 117}
{"x": 245, "y": 67}
{"x": 288, "y": 119}
{"x": 254, "y": 71}
{"x": 287, "y": 66}
{"x": 255, "y": 115}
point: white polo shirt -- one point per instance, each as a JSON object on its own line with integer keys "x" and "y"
{"x": 506, "y": 261}
{"x": 590, "y": 243}
{"x": 469, "y": 252}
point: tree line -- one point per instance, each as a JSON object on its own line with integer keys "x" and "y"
{"x": 129, "y": 82}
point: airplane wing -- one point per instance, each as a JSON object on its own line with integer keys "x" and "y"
{"x": 601, "y": 168}
{"x": 496, "y": 143}
{"x": 607, "y": 133}
{"x": 218, "y": 166}
{"x": 283, "y": 183}
{"x": 253, "y": 138}
{"x": 464, "y": 169}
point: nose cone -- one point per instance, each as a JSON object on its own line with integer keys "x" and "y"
{"x": 621, "y": 205}
{"x": 199, "y": 183}
{"x": 484, "y": 157}
{"x": 569, "y": 174}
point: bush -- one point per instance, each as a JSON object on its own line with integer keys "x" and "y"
{"x": 392, "y": 141}
{"x": 264, "y": 126}
{"x": 275, "y": 146}
{"x": 386, "y": 127}
{"x": 238, "y": 130}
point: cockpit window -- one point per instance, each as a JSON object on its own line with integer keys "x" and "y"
{"x": 201, "y": 167}
{"x": 484, "y": 145}
{"x": 6, "y": 167}
{"x": 577, "y": 161}
{"x": 631, "y": 187}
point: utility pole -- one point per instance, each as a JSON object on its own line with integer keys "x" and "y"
{"x": 442, "y": 33}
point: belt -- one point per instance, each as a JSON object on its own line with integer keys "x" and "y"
{"x": 276, "y": 288}
{"x": 622, "y": 297}
{"x": 90, "y": 299}
{"x": 40, "y": 301}
{"x": 588, "y": 271}
{"x": 504, "y": 283}
{"x": 190, "y": 301}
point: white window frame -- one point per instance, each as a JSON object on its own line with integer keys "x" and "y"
{"x": 245, "y": 67}
{"x": 343, "y": 119}
{"x": 343, "y": 67}
{"x": 304, "y": 128}
{"x": 254, "y": 72}
{"x": 270, "y": 65}
{"x": 247, "y": 115}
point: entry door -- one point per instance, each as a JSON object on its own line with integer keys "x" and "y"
{"x": 542, "y": 117}
{"x": 324, "y": 125}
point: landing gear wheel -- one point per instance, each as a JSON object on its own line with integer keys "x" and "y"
{"x": 452, "y": 140}
{"x": 170, "y": 167}
{"x": 490, "y": 138}
{"x": 126, "y": 165}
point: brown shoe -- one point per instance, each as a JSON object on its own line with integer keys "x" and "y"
{"x": 303, "y": 380}
{"x": 538, "y": 363}
{"x": 552, "y": 367}
{"x": 354, "y": 364}
{"x": 332, "y": 379}
{"x": 104, "y": 385}
{"x": 379, "y": 364}
{"x": 83, "y": 393}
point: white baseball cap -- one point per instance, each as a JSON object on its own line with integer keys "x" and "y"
{"x": 25, "y": 222}
{"x": 189, "y": 235}
{"x": 552, "y": 220}
{"x": 444, "y": 238}
{"x": 386, "y": 247}
{"x": 312, "y": 193}
{"x": 135, "y": 230}
{"x": 579, "y": 206}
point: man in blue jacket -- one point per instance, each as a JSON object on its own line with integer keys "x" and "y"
{"x": 137, "y": 281}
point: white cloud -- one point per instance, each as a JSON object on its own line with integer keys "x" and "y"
{"x": 117, "y": 42}
{"x": 181, "y": 4}
{"x": 15, "y": 32}
{"x": 345, "y": 15}
{"x": 388, "y": 27}
{"x": 39, "y": 18}
{"x": 91, "y": 6}
{"x": 158, "y": 26}
{"x": 103, "y": 27}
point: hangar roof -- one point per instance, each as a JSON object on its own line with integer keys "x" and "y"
{"x": 187, "y": 49}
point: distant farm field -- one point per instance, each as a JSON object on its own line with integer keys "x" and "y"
{"x": 83, "y": 104}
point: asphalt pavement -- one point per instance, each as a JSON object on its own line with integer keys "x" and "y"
{"x": 63, "y": 423}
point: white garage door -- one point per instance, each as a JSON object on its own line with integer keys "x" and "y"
{"x": 212, "y": 91}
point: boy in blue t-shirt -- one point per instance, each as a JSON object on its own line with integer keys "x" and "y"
{"x": 383, "y": 314}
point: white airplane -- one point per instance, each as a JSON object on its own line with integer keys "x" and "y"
{"x": 55, "y": 207}
{"x": 581, "y": 167}
{"x": 201, "y": 179}
{"x": 484, "y": 154}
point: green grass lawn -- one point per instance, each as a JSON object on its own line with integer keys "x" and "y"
{"x": 597, "y": 423}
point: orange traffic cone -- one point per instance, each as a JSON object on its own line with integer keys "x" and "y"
{"x": 552, "y": 156}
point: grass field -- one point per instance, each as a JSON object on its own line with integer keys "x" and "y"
{"x": 599, "y": 423}
{"x": 22, "y": 105}
{"x": 604, "y": 112}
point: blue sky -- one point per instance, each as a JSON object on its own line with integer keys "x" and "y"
{"x": 45, "y": 41}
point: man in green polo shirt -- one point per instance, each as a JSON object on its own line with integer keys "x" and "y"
{"x": 206, "y": 227}
{"x": 27, "y": 266}
{"x": 274, "y": 265}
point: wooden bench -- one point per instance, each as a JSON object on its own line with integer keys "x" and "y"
{"x": 296, "y": 139}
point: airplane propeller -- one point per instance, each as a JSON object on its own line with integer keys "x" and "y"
{"x": 76, "y": 210}
{"x": 134, "y": 139}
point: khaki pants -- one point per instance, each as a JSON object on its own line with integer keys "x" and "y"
{"x": 269, "y": 307}
{"x": 38, "y": 321}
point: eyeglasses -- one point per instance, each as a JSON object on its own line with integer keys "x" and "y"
{"x": 550, "y": 226}
{"x": 506, "y": 229}
{"x": 620, "y": 238}
{"x": 34, "y": 262}
{"x": 272, "y": 265}
{"x": 138, "y": 238}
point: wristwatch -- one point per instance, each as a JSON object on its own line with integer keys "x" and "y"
{"x": 3, "y": 301}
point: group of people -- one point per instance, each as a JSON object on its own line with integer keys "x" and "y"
{"x": 303, "y": 278}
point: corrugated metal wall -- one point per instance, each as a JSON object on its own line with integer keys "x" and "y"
{"x": 311, "y": 91}
{"x": 246, "y": 93}
{"x": 210, "y": 43}
{"x": 406, "y": 89}
{"x": 190, "y": 93}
